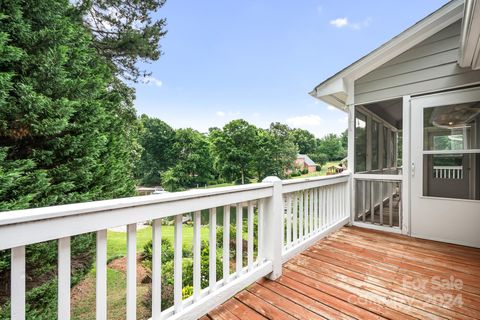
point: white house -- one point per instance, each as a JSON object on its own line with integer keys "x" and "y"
{"x": 414, "y": 128}
{"x": 414, "y": 158}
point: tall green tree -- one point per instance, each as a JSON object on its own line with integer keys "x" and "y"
{"x": 157, "y": 139}
{"x": 67, "y": 129}
{"x": 193, "y": 163}
{"x": 276, "y": 151}
{"x": 306, "y": 142}
{"x": 233, "y": 149}
{"x": 125, "y": 32}
{"x": 331, "y": 145}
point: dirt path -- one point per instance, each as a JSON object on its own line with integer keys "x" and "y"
{"x": 83, "y": 294}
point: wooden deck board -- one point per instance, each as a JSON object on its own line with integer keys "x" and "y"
{"x": 364, "y": 274}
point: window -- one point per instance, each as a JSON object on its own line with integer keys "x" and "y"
{"x": 451, "y": 156}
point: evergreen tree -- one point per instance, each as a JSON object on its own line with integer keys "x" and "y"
{"x": 124, "y": 32}
{"x": 67, "y": 128}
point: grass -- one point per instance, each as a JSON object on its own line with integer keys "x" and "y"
{"x": 117, "y": 241}
{"x": 84, "y": 307}
{"x": 322, "y": 172}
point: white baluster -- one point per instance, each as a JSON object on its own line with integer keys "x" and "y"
{"x": 132, "y": 271}
{"x": 250, "y": 236}
{"x": 156, "y": 269}
{"x": 17, "y": 282}
{"x": 238, "y": 240}
{"x": 101, "y": 275}
{"x": 64, "y": 278}
{"x": 226, "y": 244}
{"x": 177, "y": 264}
{"x": 197, "y": 254}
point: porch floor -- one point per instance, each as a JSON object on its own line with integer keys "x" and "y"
{"x": 358, "y": 273}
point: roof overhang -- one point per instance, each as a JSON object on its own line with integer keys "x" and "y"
{"x": 337, "y": 90}
{"x": 469, "y": 54}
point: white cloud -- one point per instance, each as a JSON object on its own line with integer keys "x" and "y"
{"x": 152, "y": 80}
{"x": 302, "y": 121}
{"x": 343, "y": 22}
{"x": 220, "y": 113}
{"x": 256, "y": 114}
{"x": 329, "y": 107}
{"x": 339, "y": 22}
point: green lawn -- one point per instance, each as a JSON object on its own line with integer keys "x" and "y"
{"x": 322, "y": 172}
{"x": 117, "y": 241}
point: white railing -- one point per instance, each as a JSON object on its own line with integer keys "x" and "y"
{"x": 312, "y": 209}
{"x": 448, "y": 172}
{"x": 378, "y": 200}
{"x": 304, "y": 210}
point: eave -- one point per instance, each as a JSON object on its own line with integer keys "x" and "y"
{"x": 336, "y": 92}
{"x": 469, "y": 55}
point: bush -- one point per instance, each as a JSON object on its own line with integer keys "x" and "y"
{"x": 295, "y": 174}
{"x": 187, "y": 270}
{"x": 305, "y": 171}
{"x": 319, "y": 158}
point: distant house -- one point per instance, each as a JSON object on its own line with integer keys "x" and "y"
{"x": 304, "y": 162}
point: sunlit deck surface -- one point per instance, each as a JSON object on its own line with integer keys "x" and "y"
{"x": 357, "y": 273}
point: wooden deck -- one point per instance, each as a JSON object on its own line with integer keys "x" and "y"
{"x": 362, "y": 274}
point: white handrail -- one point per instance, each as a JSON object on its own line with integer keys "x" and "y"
{"x": 321, "y": 204}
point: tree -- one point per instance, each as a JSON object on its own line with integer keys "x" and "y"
{"x": 306, "y": 142}
{"x": 275, "y": 152}
{"x": 157, "y": 139}
{"x": 319, "y": 158}
{"x": 124, "y": 32}
{"x": 331, "y": 145}
{"x": 67, "y": 132}
{"x": 233, "y": 148}
{"x": 193, "y": 163}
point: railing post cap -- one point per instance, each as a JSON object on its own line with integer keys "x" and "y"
{"x": 271, "y": 179}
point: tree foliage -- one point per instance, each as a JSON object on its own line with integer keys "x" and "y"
{"x": 125, "y": 32}
{"x": 306, "y": 141}
{"x": 193, "y": 165}
{"x": 233, "y": 149}
{"x": 67, "y": 129}
{"x": 276, "y": 151}
{"x": 157, "y": 139}
{"x": 331, "y": 145}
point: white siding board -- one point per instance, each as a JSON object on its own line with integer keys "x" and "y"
{"x": 418, "y": 51}
{"x": 449, "y": 56}
{"x": 428, "y": 66}
{"x": 472, "y": 77}
{"x": 421, "y": 75}
{"x": 450, "y": 31}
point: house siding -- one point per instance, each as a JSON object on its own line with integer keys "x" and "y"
{"x": 429, "y": 66}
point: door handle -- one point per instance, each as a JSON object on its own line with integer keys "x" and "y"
{"x": 413, "y": 169}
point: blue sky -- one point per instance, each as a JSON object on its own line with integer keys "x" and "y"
{"x": 258, "y": 59}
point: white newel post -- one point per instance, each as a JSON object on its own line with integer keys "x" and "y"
{"x": 272, "y": 217}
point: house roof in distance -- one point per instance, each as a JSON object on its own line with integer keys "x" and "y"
{"x": 306, "y": 159}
